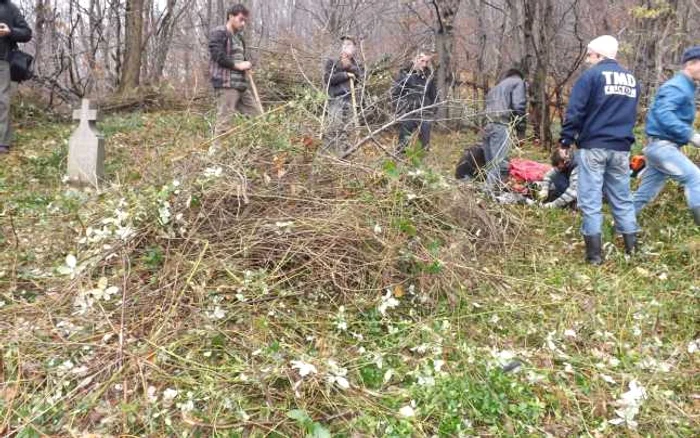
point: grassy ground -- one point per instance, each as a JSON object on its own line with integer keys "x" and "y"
{"x": 508, "y": 336}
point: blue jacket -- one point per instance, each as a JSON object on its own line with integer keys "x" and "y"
{"x": 672, "y": 114}
{"x": 602, "y": 109}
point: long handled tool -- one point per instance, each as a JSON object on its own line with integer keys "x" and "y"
{"x": 255, "y": 91}
{"x": 354, "y": 102}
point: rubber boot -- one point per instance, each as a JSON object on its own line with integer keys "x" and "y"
{"x": 630, "y": 243}
{"x": 594, "y": 245}
{"x": 696, "y": 215}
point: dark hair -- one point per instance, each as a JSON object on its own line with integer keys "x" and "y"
{"x": 557, "y": 158}
{"x": 513, "y": 72}
{"x": 349, "y": 38}
{"x": 237, "y": 9}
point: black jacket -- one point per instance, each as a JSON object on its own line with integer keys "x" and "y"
{"x": 21, "y": 33}
{"x": 336, "y": 79}
{"x": 414, "y": 89}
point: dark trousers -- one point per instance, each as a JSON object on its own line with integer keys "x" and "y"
{"x": 408, "y": 127}
{"x": 557, "y": 186}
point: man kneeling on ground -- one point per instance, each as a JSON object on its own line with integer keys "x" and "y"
{"x": 560, "y": 185}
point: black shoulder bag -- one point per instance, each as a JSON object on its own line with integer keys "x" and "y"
{"x": 21, "y": 65}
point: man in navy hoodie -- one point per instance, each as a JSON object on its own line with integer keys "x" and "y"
{"x": 601, "y": 114}
{"x": 670, "y": 127}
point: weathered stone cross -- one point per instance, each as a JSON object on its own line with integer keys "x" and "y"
{"x": 86, "y": 151}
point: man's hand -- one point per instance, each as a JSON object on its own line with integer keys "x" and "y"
{"x": 549, "y": 205}
{"x": 695, "y": 139}
{"x": 243, "y": 65}
{"x": 4, "y": 30}
{"x": 543, "y": 194}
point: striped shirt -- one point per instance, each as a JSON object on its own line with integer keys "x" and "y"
{"x": 225, "y": 50}
{"x": 571, "y": 192}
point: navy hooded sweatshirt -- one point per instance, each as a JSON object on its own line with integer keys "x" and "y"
{"x": 602, "y": 109}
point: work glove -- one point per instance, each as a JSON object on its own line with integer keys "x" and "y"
{"x": 695, "y": 139}
{"x": 549, "y": 205}
{"x": 542, "y": 194}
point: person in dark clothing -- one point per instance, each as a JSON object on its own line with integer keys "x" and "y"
{"x": 414, "y": 89}
{"x": 341, "y": 77}
{"x": 471, "y": 164}
{"x": 228, "y": 68}
{"x": 13, "y": 29}
{"x": 600, "y": 117}
{"x": 506, "y": 104}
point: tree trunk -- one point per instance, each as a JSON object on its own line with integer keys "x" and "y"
{"x": 133, "y": 45}
{"x": 446, "y": 11}
{"x": 41, "y": 10}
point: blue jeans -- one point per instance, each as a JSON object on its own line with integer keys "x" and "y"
{"x": 496, "y": 146}
{"x": 665, "y": 160}
{"x": 605, "y": 170}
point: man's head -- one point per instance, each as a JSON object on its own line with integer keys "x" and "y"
{"x": 559, "y": 160}
{"x": 237, "y": 17}
{"x": 691, "y": 62}
{"x": 347, "y": 46}
{"x": 603, "y": 47}
{"x": 513, "y": 72}
{"x": 422, "y": 61}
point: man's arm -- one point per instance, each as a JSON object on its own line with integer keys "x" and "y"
{"x": 20, "y": 32}
{"x": 334, "y": 76}
{"x": 519, "y": 99}
{"x": 668, "y": 100}
{"x": 571, "y": 192}
{"x": 575, "y": 111}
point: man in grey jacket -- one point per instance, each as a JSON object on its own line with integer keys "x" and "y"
{"x": 506, "y": 104}
{"x": 13, "y": 30}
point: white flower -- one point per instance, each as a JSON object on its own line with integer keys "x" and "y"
{"x": 151, "y": 394}
{"x": 388, "y": 302}
{"x": 377, "y": 229}
{"x": 65, "y": 367}
{"x": 187, "y": 406}
{"x": 70, "y": 266}
{"x": 694, "y": 346}
{"x": 217, "y": 314}
{"x": 304, "y": 368}
{"x": 438, "y": 364}
{"x": 407, "y": 412}
{"x": 570, "y": 333}
{"x": 169, "y": 394}
{"x": 213, "y": 172}
{"x": 629, "y": 404}
{"x": 608, "y": 379}
{"x": 336, "y": 375}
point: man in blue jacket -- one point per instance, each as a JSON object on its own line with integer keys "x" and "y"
{"x": 670, "y": 127}
{"x": 601, "y": 114}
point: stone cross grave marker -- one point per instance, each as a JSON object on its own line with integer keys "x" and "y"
{"x": 86, "y": 149}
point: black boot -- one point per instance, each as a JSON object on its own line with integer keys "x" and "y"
{"x": 696, "y": 215}
{"x": 594, "y": 245}
{"x": 630, "y": 243}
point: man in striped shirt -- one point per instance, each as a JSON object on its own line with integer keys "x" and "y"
{"x": 560, "y": 184}
{"x": 228, "y": 68}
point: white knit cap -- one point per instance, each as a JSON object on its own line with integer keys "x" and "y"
{"x": 605, "y": 45}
